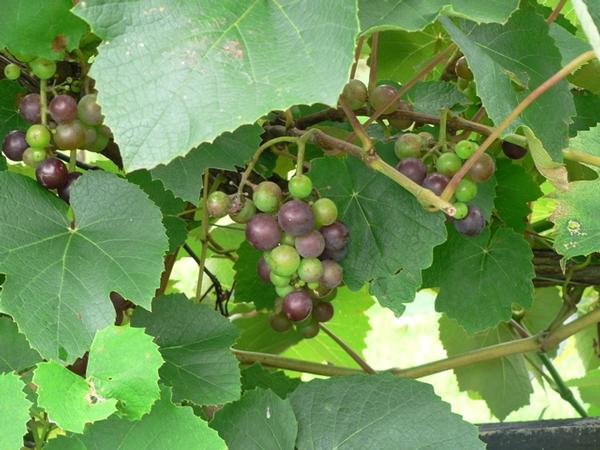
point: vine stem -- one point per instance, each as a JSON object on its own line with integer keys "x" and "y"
{"x": 357, "y": 51}
{"x": 356, "y": 126}
{"x": 525, "y": 345}
{"x": 354, "y": 355}
{"x": 301, "y": 144}
{"x": 555, "y": 12}
{"x": 72, "y": 160}
{"x": 443, "y": 129}
{"x": 44, "y": 101}
{"x": 550, "y": 82}
{"x": 582, "y": 157}
{"x": 373, "y": 61}
{"x": 204, "y": 249}
{"x": 257, "y": 153}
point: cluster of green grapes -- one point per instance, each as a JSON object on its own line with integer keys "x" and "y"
{"x": 74, "y": 125}
{"x": 302, "y": 243}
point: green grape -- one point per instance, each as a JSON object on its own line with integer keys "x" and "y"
{"x": 43, "y": 68}
{"x": 284, "y": 260}
{"x": 38, "y": 136}
{"x": 300, "y": 186}
{"x": 12, "y": 71}
{"x": 288, "y": 239}
{"x": 448, "y": 164}
{"x": 267, "y": 197}
{"x": 217, "y": 204}
{"x": 461, "y": 210}
{"x": 464, "y": 149}
{"x": 246, "y": 212}
{"x": 408, "y": 145}
{"x": 282, "y": 291}
{"x": 310, "y": 270}
{"x": 23, "y": 57}
{"x": 325, "y": 212}
{"x": 32, "y": 156}
{"x": 465, "y": 191}
{"x": 355, "y": 94}
{"x": 278, "y": 280}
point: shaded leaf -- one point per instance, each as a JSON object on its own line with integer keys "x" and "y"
{"x": 10, "y": 119}
{"x": 15, "y": 352}
{"x": 431, "y": 97}
{"x": 14, "y": 410}
{"x": 249, "y": 286}
{"x": 256, "y": 376}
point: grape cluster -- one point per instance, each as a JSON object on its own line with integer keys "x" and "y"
{"x": 302, "y": 243}
{"x": 74, "y": 125}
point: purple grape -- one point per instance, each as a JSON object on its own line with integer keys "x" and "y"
{"x": 279, "y": 322}
{"x": 64, "y": 192}
{"x": 263, "y": 270}
{"x": 473, "y": 224}
{"x": 436, "y": 182}
{"x": 30, "y": 108}
{"x": 413, "y": 168}
{"x": 336, "y": 235}
{"x": 335, "y": 255}
{"x": 296, "y": 217}
{"x": 263, "y": 232}
{"x": 14, "y": 145}
{"x": 332, "y": 274}
{"x": 297, "y": 305}
{"x": 323, "y": 312}
{"x": 52, "y": 173}
{"x": 310, "y": 245}
{"x": 513, "y": 151}
{"x": 63, "y": 108}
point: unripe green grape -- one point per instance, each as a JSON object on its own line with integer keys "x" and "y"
{"x": 282, "y": 291}
{"x": 464, "y": 149}
{"x": 100, "y": 142}
{"x": 88, "y": 110}
{"x": 448, "y": 164}
{"x": 284, "y": 260}
{"x": 300, "y": 186}
{"x": 309, "y": 329}
{"x": 43, "y": 68}
{"x": 313, "y": 285}
{"x": 355, "y": 94}
{"x": 278, "y": 280}
{"x": 288, "y": 239}
{"x": 12, "y": 71}
{"x": 32, "y": 156}
{"x": 23, "y": 57}
{"x": 325, "y": 212}
{"x": 461, "y": 210}
{"x": 408, "y": 145}
{"x": 465, "y": 191}
{"x": 38, "y": 136}
{"x": 310, "y": 270}
{"x": 246, "y": 212}
{"x": 218, "y": 204}
{"x": 267, "y": 197}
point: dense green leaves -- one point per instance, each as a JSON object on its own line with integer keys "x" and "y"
{"x": 481, "y": 277}
{"x": 14, "y": 410}
{"x": 391, "y": 235}
{"x": 167, "y": 426}
{"x": 15, "y": 352}
{"x": 9, "y": 108}
{"x": 503, "y": 382}
{"x": 211, "y": 75}
{"x": 508, "y": 62}
{"x": 431, "y": 97}
{"x": 260, "y": 420}
{"x": 250, "y": 287}
{"x": 183, "y": 175}
{"x": 377, "y": 411}
{"x": 40, "y": 28}
{"x": 256, "y": 376}
{"x": 65, "y": 272}
{"x": 194, "y": 341}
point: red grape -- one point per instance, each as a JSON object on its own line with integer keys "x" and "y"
{"x": 63, "y": 108}
{"x": 472, "y": 224}
{"x": 296, "y": 217}
{"x": 513, "y": 151}
{"x": 52, "y": 173}
{"x": 263, "y": 232}
{"x": 297, "y": 305}
{"x": 323, "y": 311}
{"x": 310, "y": 245}
{"x": 14, "y": 145}
{"x": 29, "y": 108}
{"x": 413, "y": 168}
{"x": 64, "y": 191}
{"x": 436, "y": 182}
{"x": 335, "y": 235}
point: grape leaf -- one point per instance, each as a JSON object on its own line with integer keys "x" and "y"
{"x": 503, "y": 382}
{"x": 588, "y": 112}
{"x": 514, "y": 191}
{"x": 170, "y": 207}
{"x": 123, "y": 364}
{"x": 40, "y": 28}
{"x": 3, "y": 165}
{"x": 68, "y": 399}
{"x": 52, "y": 268}
{"x": 10, "y": 119}
{"x": 589, "y": 387}
{"x": 413, "y": 15}
{"x": 211, "y": 75}
{"x": 194, "y": 341}
{"x": 166, "y": 427}
{"x": 586, "y": 344}
{"x": 256, "y": 376}
{"x": 431, "y": 97}
{"x": 249, "y": 286}
{"x": 183, "y": 175}
{"x": 588, "y": 13}
{"x": 391, "y": 235}
{"x": 14, "y": 410}
{"x": 486, "y": 197}
{"x": 481, "y": 277}
{"x": 569, "y": 45}
{"x": 587, "y": 141}
{"x": 576, "y": 219}
{"x": 546, "y": 305}
{"x": 508, "y": 62}
{"x": 257, "y": 335}
{"x": 15, "y": 352}
{"x": 260, "y": 420}
{"x": 377, "y": 411}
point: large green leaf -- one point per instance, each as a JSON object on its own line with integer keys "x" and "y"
{"x": 14, "y": 410}
{"x": 195, "y": 70}
{"x": 183, "y": 175}
{"x": 249, "y": 286}
{"x": 10, "y": 119}
{"x": 40, "y": 27}
{"x": 257, "y": 335}
{"x": 256, "y": 376}
{"x": 59, "y": 274}
{"x": 391, "y": 235}
{"x": 481, "y": 277}
{"x": 431, "y": 97}
{"x": 15, "y": 352}
{"x": 586, "y": 344}
{"x": 194, "y": 340}
{"x": 166, "y": 427}
{"x": 508, "y": 62}
{"x": 547, "y": 303}
{"x": 587, "y": 141}
{"x": 413, "y": 15}
{"x": 503, "y": 382}
{"x": 589, "y": 387}
{"x": 260, "y": 420}
{"x": 377, "y": 411}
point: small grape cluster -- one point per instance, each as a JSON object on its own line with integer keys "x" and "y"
{"x": 302, "y": 243}
{"x": 74, "y": 125}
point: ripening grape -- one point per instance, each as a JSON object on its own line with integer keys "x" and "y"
{"x": 448, "y": 164}
{"x": 38, "y": 136}
{"x": 70, "y": 135}
{"x": 381, "y": 96}
{"x": 464, "y": 149}
{"x": 335, "y": 235}
{"x": 12, "y": 71}
{"x": 14, "y": 145}
{"x": 413, "y": 168}
{"x": 263, "y": 232}
{"x": 483, "y": 168}
{"x": 408, "y": 145}
{"x": 309, "y": 330}
{"x": 335, "y": 255}
{"x": 284, "y": 260}
{"x": 245, "y": 213}
{"x": 436, "y": 182}
{"x": 465, "y": 191}
{"x": 332, "y": 274}
{"x": 513, "y": 151}
{"x": 297, "y": 305}
{"x": 52, "y": 173}
{"x": 64, "y": 191}
{"x": 90, "y": 135}
{"x": 355, "y": 94}
{"x": 63, "y": 108}
{"x": 30, "y": 109}
{"x": 401, "y": 123}
{"x": 267, "y": 197}
{"x": 473, "y": 224}
{"x": 300, "y": 186}
{"x": 310, "y": 245}
{"x": 43, "y": 68}
{"x": 33, "y": 156}
{"x": 462, "y": 69}
{"x": 101, "y": 141}
{"x": 296, "y": 217}
{"x": 325, "y": 212}
{"x": 217, "y": 204}
{"x": 89, "y": 111}
{"x": 323, "y": 312}
{"x": 263, "y": 270}
{"x": 310, "y": 270}
{"x": 279, "y": 322}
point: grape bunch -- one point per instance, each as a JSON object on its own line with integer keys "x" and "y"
{"x": 74, "y": 125}
{"x": 302, "y": 243}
